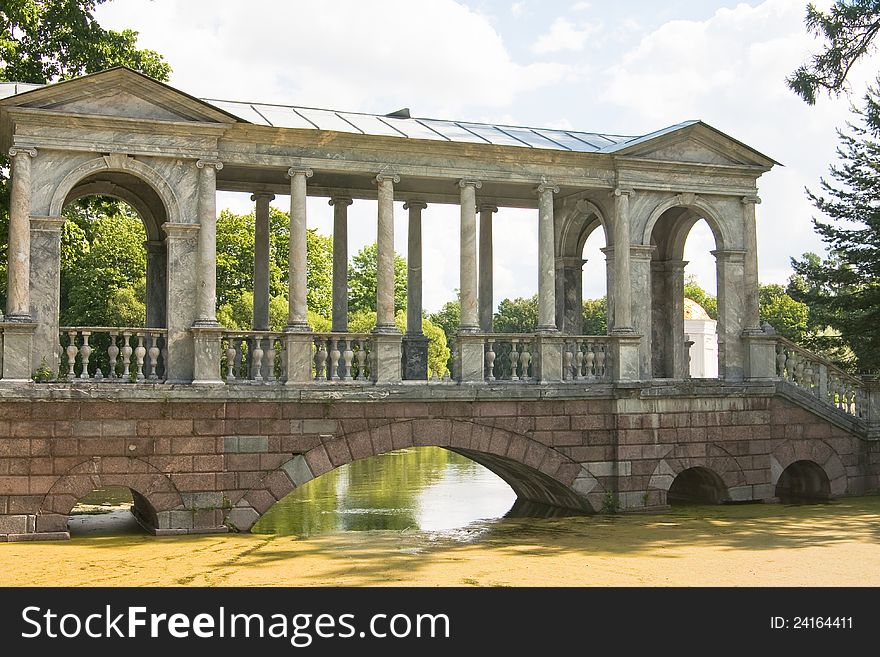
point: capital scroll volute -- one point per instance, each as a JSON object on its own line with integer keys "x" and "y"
{"x": 386, "y": 177}
{"x": 216, "y": 164}
{"x": 28, "y": 150}
{"x": 470, "y": 182}
{"x": 546, "y": 186}
{"x": 292, "y": 172}
{"x": 751, "y": 200}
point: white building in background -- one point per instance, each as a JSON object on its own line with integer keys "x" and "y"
{"x": 701, "y": 332}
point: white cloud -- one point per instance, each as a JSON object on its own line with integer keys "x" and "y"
{"x": 437, "y": 56}
{"x": 563, "y": 35}
{"x": 517, "y": 9}
{"x": 581, "y": 6}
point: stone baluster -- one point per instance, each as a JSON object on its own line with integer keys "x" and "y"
{"x": 347, "y": 359}
{"x": 230, "y": 360}
{"x": 164, "y": 354}
{"x": 257, "y": 359}
{"x": 333, "y": 373}
{"x": 790, "y": 363}
{"x": 601, "y": 361}
{"x": 139, "y": 353}
{"x": 568, "y": 361}
{"x": 808, "y": 375}
{"x": 113, "y": 354}
{"x": 72, "y": 351}
{"x": 153, "y": 353}
{"x": 780, "y": 360}
{"x": 85, "y": 351}
{"x": 126, "y": 356}
{"x": 525, "y": 358}
{"x": 514, "y": 360}
{"x": 362, "y": 360}
{"x": 590, "y": 361}
{"x": 799, "y": 371}
{"x": 270, "y": 361}
{"x": 490, "y": 360}
{"x": 320, "y": 359}
{"x": 578, "y": 360}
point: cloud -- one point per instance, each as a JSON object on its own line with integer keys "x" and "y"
{"x": 517, "y": 9}
{"x": 581, "y": 6}
{"x": 563, "y": 35}
{"x": 437, "y": 56}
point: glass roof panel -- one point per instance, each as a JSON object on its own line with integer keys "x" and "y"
{"x": 327, "y": 120}
{"x": 283, "y": 117}
{"x": 492, "y": 134}
{"x": 241, "y": 110}
{"x": 370, "y": 124}
{"x": 412, "y": 128}
{"x": 452, "y": 131}
{"x": 532, "y": 138}
{"x": 564, "y": 138}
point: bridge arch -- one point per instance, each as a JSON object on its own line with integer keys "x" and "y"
{"x": 152, "y": 490}
{"x": 534, "y": 471}
{"x": 816, "y": 451}
{"x": 721, "y": 472}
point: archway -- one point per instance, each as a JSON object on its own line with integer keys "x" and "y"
{"x": 697, "y": 485}
{"x": 111, "y": 510}
{"x": 803, "y": 481}
{"x": 668, "y": 348}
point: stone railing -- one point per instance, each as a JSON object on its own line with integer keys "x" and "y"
{"x": 252, "y": 357}
{"x": 343, "y": 357}
{"x": 118, "y": 354}
{"x": 586, "y": 358}
{"x": 509, "y": 357}
{"x": 820, "y": 378}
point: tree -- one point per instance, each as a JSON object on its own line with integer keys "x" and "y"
{"x": 783, "y": 313}
{"x": 849, "y": 29}
{"x": 362, "y": 280}
{"x": 595, "y": 316}
{"x": 438, "y": 351}
{"x": 694, "y": 292}
{"x": 844, "y": 289}
{"x": 516, "y": 315}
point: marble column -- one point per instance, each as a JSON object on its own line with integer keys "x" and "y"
{"x": 468, "y": 282}
{"x": 730, "y": 267}
{"x": 751, "y": 310}
{"x": 157, "y": 281}
{"x": 623, "y": 322}
{"x": 640, "y": 258}
{"x": 18, "y": 299}
{"x": 546, "y": 260}
{"x": 206, "y": 285}
{"x": 45, "y": 279}
{"x": 415, "y": 344}
{"x": 669, "y": 356}
{"x": 340, "y": 262}
{"x": 261, "y": 260}
{"x": 193, "y": 348}
{"x": 297, "y": 318}
{"x": 569, "y": 294}
{"x": 486, "y": 291}
{"x": 385, "y": 254}
{"x": 414, "y": 268}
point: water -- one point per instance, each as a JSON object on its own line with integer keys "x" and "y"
{"x": 425, "y": 488}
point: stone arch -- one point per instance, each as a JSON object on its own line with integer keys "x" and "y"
{"x": 152, "y": 223}
{"x": 578, "y": 223}
{"x": 119, "y": 164}
{"x": 533, "y": 470}
{"x": 817, "y": 451}
{"x": 153, "y": 490}
{"x": 725, "y": 467}
{"x": 696, "y": 205}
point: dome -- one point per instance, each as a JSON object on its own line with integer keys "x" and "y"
{"x": 693, "y": 310}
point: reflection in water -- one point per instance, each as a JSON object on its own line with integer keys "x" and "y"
{"x": 424, "y": 488}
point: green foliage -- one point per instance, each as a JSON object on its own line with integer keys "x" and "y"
{"x": 362, "y": 281}
{"x": 318, "y": 323}
{"x": 848, "y": 29}
{"x": 42, "y": 374}
{"x": 694, "y": 292}
{"x": 843, "y": 290}
{"x": 787, "y": 316}
{"x": 103, "y": 268}
{"x": 516, "y": 315}
{"x": 595, "y": 316}
{"x": 448, "y": 318}
{"x": 238, "y": 313}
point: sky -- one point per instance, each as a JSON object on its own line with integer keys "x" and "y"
{"x": 628, "y": 67}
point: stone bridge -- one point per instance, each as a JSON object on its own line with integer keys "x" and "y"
{"x": 209, "y": 426}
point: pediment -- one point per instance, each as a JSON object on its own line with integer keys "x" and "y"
{"x": 694, "y": 143}
{"x": 120, "y": 92}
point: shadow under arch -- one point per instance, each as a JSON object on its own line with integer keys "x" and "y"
{"x": 816, "y": 451}
{"x": 724, "y": 474}
{"x": 152, "y": 490}
{"x": 803, "y": 481}
{"x": 536, "y": 473}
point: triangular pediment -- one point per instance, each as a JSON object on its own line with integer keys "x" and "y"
{"x": 120, "y": 92}
{"x": 696, "y": 143}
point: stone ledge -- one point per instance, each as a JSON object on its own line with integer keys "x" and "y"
{"x": 36, "y": 536}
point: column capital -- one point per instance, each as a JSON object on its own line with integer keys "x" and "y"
{"x": 622, "y": 190}
{"x": 292, "y": 172}
{"x": 546, "y": 186}
{"x": 470, "y": 182}
{"x": 416, "y": 205}
{"x": 256, "y": 196}
{"x": 340, "y": 200}
{"x": 217, "y": 164}
{"x": 47, "y": 223}
{"x": 729, "y": 255}
{"x": 487, "y": 207}
{"x": 386, "y": 177}
{"x": 753, "y": 200}
{"x": 16, "y": 150}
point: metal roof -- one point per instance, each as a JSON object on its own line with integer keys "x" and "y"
{"x": 8, "y": 89}
{"x": 310, "y": 118}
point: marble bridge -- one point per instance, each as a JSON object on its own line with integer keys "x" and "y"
{"x": 209, "y": 427}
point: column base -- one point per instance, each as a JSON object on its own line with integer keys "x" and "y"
{"x": 386, "y": 329}
{"x": 387, "y": 357}
{"x": 206, "y": 364}
{"x": 206, "y": 323}
{"x": 18, "y": 319}
{"x": 298, "y": 327}
{"x": 18, "y": 347}
{"x": 415, "y": 357}
{"x": 471, "y": 357}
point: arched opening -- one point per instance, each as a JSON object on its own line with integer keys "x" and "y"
{"x": 111, "y": 510}
{"x": 803, "y": 482}
{"x": 684, "y": 335}
{"x": 696, "y": 486}
{"x": 113, "y": 273}
{"x": 417, "y": 488}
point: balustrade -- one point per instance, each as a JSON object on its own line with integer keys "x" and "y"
{"x": 252, "y": 357}
{"x": 509, "y": 357}
{"x": 586, "y": 358}
{"x": 820, "y": 378}
{"x": 121, "y": 355}
{"x": 343, "y": 357}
